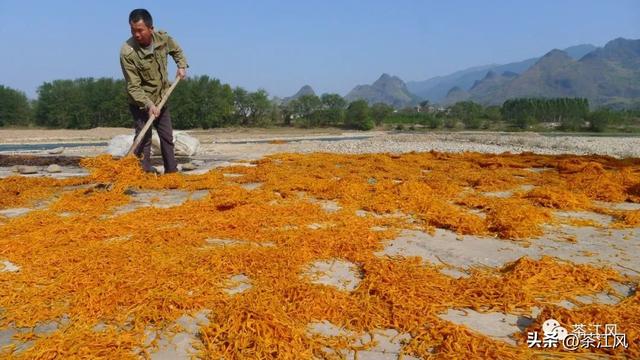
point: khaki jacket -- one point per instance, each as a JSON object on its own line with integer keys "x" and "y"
{"x": 146, "y": 71}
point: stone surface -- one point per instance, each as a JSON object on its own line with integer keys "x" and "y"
{"x": 233, "y": 242}
{"x": 599, "y": 219}
{"x": 496, "y": 325}
{"x": 237, "y": 284}
{"x": 188, "y": 166}
{"x": 181, "y": 345}
{"x": 54, "y": 168}
{"x": 251, "y": 186}
{"x": 597, "y": 247}
{"x": 14, "y": 212}
{"x": 159, "y": 199}
{"x": 387, "y": 343}
{"x": 26, "y": 170}
{"x": 8, "y": 266}
{"x": 340, "y": 274}
{"x": 56, "y": 151}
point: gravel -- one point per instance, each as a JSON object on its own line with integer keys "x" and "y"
{"x": 496, "y": 143}
{"x": 221, "y": 146}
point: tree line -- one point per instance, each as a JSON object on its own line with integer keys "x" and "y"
{"x": 204, "y": 102}
{"x": 526, "y": 111}
{"x": 198, "y": 102}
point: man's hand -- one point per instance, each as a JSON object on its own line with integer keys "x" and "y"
{"x": 182, "y": 73}
{"x": 154, "y": 111}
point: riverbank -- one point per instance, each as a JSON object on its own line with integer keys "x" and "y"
{"x": 254, "y": 143}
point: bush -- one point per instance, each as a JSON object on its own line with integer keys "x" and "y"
{"x": 380, "y": 111}
{"x": 325, "y": 117}
{"x": 433, "y": 122}
{"x": 14, "y": 107}
{"x": 599, "y": 120}
{"x": 450, "y": 123}
{"x": 525, "y": 122}
{"x": 571, "y": 124}
{"x": 472, "y": 123}
{"x": 357, "y": 116}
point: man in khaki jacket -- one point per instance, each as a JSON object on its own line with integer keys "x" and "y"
{"x": 143, "y": 59}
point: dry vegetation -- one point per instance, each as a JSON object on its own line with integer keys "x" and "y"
{"x": 148, "y": 267}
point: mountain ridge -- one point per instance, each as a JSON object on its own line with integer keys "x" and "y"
{"x": 436, "y": 88}
{"x": 607, "y": 76}
{"x": 387, "y": 89}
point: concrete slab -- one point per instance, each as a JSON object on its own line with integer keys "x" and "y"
{"x": 498, "y": 194}
{"x": 496, "y": 325}
{"x": 185, "y": 344}
{"x": 65, "y": 172}
{"x": 337, "y": 273}
{"x": 447, "y": 248}
{"x": 233, "y": 242}
{"x": 251, "y": 186}
{"x": 232, "y": 175}
{"x": 159, "y": 199}
{"x": 623, "y": 206}
{"x": 8, "y": 266}
{"x": 387, "y": 343}
{"x": 15, "y": 212}
{"x": 597, "y": 247}
{"x": 237, "y": 284}
{"x": 599, "y": 219}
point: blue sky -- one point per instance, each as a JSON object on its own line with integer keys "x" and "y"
{"x": 281, "y": 45}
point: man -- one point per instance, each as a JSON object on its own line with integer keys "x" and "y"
{"x": 143, "y": 59}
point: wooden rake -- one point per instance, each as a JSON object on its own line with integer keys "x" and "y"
{"x": 146, "y": 127}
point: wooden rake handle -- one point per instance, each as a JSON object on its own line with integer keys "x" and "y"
{"x": 146, "y": 127}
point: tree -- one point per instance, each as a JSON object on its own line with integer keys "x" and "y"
{"x": 333, "y": 101}
{"x": 433, "y": 122}
{"x": 260, "y": 105}
{"x": 469, "y": 112}
{"x": 357, "y": 116}
{"x": 305, "y": 105}
{"x": 492, "y": 113}
{"x": 286, "y": 111}
{"x": 570, "y": 112}
{"x": 599, "y": 120}
{"x": 380, "y": 111}
{"x": 61, "y": 103}
{"x": 251, "y": 108}
{"x": 82, "y": 103}
{"x": 275, "y": 112}
{"x": 331, "y": 111}
{"x": 201, "y": 102}
{"x": 14, "y": 107}
{"x": 303, "y": 109}
{"x": 242, "y": 106}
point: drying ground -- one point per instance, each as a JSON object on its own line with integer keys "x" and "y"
{"x": 321, "y": 255}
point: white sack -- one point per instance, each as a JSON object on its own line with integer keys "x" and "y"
{"x": 184, "y": 144}
{"x": 119, "y": 145}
